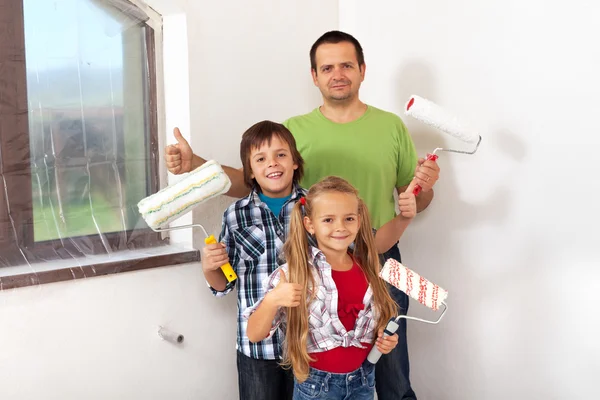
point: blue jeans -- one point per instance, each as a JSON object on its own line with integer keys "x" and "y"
{"x": 263, "y": 379}
{"x": 356, "y": 385}
{"x": 393, "y": 369}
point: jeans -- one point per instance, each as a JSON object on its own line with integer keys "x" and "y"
{"x": 263, "y": 379}
{"x": 393, "y": 369}
{"x": 356, "y": 385}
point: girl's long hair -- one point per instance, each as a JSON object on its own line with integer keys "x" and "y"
{"x": 297, "y": 251}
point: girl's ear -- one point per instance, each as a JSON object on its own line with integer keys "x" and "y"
{"x": 308, "y": 225}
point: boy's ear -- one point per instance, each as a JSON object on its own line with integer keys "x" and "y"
{"x": 308, "y": 225}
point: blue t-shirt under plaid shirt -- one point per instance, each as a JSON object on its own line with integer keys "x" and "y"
{"x": 254, "y": 237}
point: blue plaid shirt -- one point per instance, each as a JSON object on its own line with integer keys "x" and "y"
{"x": 254, "y": 237}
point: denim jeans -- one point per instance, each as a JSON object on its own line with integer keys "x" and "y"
{"x": 393, "y": 369}
{"x": 356, "y": 385}
{"x": 263, "y": 379}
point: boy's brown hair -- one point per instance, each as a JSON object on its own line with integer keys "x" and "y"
{"x": 260, "y": 133}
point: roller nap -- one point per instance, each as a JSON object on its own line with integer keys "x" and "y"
{"x": 200, "y": 185}
{"x": 433, "y": 115}
{"x": 414, "y": 285}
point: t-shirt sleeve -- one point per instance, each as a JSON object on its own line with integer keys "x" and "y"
{"x": 407, "y": 156}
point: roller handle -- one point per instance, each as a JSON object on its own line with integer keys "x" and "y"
{"x": 389, "y": 330}
{"x": 418, "y": 188}
{"x": 226, "y": 268}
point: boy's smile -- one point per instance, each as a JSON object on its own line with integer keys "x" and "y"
{"x": 273, "y": 167}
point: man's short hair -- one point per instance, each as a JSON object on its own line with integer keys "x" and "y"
{"x": 334, "y": 37}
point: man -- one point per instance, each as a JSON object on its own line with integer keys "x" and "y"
{"x": 368, "y": 147}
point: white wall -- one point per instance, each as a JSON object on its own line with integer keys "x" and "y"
{"x": 97, "y": 338}
{"x": 512, "y": 231}
{"x": 511, "y": 234}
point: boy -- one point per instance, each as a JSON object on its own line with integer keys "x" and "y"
{"x": 253, "y": 232}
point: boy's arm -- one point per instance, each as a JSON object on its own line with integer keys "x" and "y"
{"x": 236, "y": 176}
{"x": 426, "y": 172}
{"x": 215, "y": 255}
{"x": 391, "y": 232}
{"x": 180, "y": 159}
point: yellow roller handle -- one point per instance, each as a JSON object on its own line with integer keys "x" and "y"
{"x": 226, "y": 268}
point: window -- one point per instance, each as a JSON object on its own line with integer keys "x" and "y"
{"x": 78, "y": 129}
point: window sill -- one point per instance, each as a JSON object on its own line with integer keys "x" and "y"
{"x": 90, "y": 266}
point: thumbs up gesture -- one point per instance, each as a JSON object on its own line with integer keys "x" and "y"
{"x": 179, "y": 156}
{"x": 286, "y": 294}
{"x": 407, "y": 202}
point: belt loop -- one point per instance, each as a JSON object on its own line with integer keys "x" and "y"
{"x": 365, "y": 370}
{"x": 326, "y": 382}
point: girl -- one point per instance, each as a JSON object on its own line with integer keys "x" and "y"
{"x": 330, "y": 297}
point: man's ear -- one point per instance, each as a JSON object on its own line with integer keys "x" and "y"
{"x": 313, "y": 73}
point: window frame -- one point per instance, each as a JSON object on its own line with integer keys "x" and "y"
{"x": 16, "y": 202}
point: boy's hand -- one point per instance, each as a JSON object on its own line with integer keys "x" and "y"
{"x": 179, "y": 156}
{"x": 386, "y": 344}
{"x": 286, "y": 294}
{"x": 407, "y": 203}
{"x": 213, "y": 256}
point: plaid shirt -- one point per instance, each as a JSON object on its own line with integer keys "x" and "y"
{"x": 254, "y": 237}
{"x": 325, "y": 330}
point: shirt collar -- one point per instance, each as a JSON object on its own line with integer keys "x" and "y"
{"x": 297, "y": 192}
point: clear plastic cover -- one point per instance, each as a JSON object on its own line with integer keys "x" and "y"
{"x": 78, "y": 135}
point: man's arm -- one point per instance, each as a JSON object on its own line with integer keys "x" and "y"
{"x": 238, "y": 186}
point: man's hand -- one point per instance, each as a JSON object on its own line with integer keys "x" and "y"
{"x": 286, "y": 294}
{"x": 387, "y": 343}
{"x": 213, "y": 256}
{"x": 179, "y": 156}
{"x": 427, "y": 174}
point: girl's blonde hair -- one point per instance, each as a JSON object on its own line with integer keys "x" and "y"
{"x": 297, "y": 251}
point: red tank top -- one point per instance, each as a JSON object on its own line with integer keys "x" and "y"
{"x": 351, "y": 286}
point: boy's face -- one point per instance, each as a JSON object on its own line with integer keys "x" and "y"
{"x": 273, "y": 167}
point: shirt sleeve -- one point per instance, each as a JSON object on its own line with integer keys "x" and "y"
{"x": 268, "y": 285}
{"x": 227, "y": 238}
{"x": 407, "y": 156}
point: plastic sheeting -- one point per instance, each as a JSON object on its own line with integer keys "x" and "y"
{"x": 78, "y": 146}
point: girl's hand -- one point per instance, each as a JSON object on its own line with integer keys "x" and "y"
{"x": 286, "y": 294}
{"x": 407, "y": 203}
{"x": 386, "y": 344}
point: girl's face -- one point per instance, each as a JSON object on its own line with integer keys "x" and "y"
{"x": 334, "y": 221}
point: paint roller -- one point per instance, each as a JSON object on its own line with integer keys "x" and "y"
{"x": 415, "y": 286}
{"x": 433, "y": 115}
{"x": 195, "y": 187}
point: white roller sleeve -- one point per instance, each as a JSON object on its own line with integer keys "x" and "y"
{"x": 195, "y": 187}
{"x": 431, "y": 114}
{"x": 414, "y": 285}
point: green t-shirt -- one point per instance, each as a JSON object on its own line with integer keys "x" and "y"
{"x": 374, "y": 153}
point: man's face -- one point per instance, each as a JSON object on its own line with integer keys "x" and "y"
{"x": 338, "y": 75}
